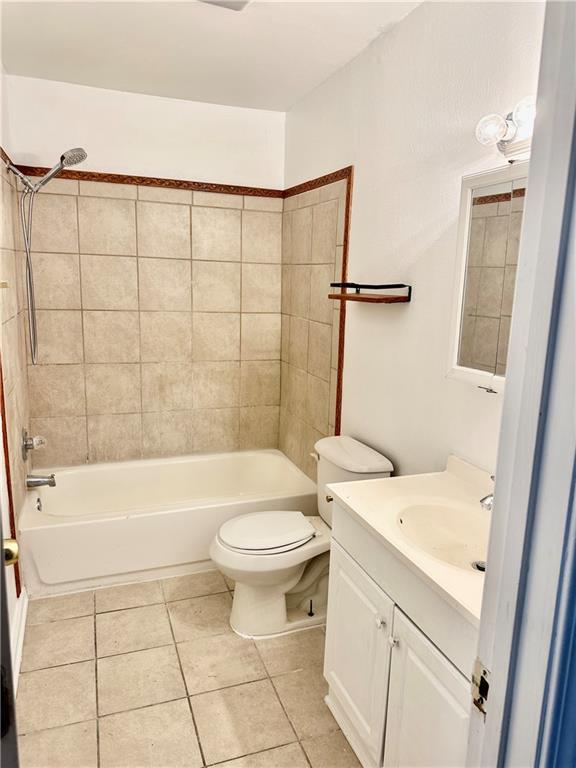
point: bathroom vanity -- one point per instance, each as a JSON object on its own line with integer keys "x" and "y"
{"x": 403, "y": 613}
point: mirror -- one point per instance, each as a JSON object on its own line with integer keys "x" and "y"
{"x": 490, "y": 221}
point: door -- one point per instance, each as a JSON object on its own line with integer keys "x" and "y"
{"x": 357, "y": 661}
{"x": 9, "y": 747}
{"x": 428, "y": 703}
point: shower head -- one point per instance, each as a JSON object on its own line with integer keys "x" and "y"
{"x": 70, "y": 157}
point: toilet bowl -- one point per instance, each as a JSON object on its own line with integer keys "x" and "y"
{"x": 279, "y": 560}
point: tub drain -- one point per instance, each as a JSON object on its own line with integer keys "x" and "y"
{"x": 479, "y": 565}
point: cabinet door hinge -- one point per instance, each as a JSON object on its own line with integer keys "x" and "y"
{"x": 480, "y": 686}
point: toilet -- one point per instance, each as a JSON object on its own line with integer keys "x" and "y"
{"x": 279, "y": 559}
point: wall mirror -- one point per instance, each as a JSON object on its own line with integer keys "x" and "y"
{"x": 491, "y": 210}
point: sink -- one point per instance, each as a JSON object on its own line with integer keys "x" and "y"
{"x": 454, "y": 533}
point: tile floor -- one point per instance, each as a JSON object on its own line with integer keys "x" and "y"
{"x": 151, "y": 676}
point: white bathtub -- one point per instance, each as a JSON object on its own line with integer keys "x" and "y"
{"x": 137, "y": 520}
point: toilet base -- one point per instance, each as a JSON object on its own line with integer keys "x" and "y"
{"x": 290, "y": 626}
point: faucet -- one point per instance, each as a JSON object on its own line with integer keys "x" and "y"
{"x": 487, "y": 502}
{"x": 35, "y": 481}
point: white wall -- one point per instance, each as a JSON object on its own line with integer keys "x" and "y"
{"x": 403, "y": 113}
{"x": 143, "y": 135}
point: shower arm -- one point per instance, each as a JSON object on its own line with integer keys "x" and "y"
{"x": 26, "y": 221}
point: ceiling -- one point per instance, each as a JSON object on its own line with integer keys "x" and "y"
{"x": 267, "y": 56}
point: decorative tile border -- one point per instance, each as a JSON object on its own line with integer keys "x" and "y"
{"x": 502, "y": 197}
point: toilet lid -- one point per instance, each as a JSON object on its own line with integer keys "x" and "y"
{"x": 268, "y": 531}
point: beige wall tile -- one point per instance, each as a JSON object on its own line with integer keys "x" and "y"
{"x": 107, "y": 226}
{"x": 259, "y": 427}
{"x": 495, "y": 241}
{"x": 59, "y": 336}
{"x": 59, "y": 187}
{"x": 471, "y": 289}
{"x": 218, "y": 200}
{"x": 285, "y": 343}
{"x": 108, "y": 189}
{"x": 341, "y": 228}
{"x": 302, "y": 236}
{"x": 112, "y": 388}
{"x": 287, "y": 237}
{"x": 260, "y": 383}
{"x": 291, "y": 203}
{"x": 317, "y": 402}
{"x": 335, "y": 336}
{"x": 163, "y": 230}
{"x": 216, "y": 287}
{"x": 263, "y": 203}
{"x": 9, "y": 294}
{"x": 261, "y": 287}
{"x": 109, "y": 282}
{"x": 56, "y": 280}
{"x": 165, "y": 195}
{"x": 165, "y": 336}
{"x": 503, "y": 338}
{"x": 166, "y": 386}
{"x": 164, "y": 284}
{"x": 485, "y": 341}
{"x": 476, "y": 242}
{"x": 466, "y": 348}
{"x": 338, "y": 265}
{"x": 319, "y": 350}
{"x": 484, "y": 210}
{"x": 56, "y": 390}
{"x": 334, "y": 191}
{"x": 324, "y": 226}
{"x": 216, "y": 384}
{"x": 166, "y": 433}
{"x": 216, "y": 234}
{"x": 66, "y": 441}
{"x": 517, "y": 204}
{"x": 111, "y": 337}
{"x": 490, "y": 291}
{"x": 55, "y": 224}
{"x": 262, "y": 237}
{"x": 333, "y": 398}
{"x": 513, "y": 238}
{"x": 297, "y": 392}
{"x": 216, "y": 336}
{"x": 508, "y": 290}
{"x": 310, "y": 197}
{"x": 115, "y": 437}
{"x": 298, "y": 349}
{"x": 216, "y": 429}
{"x": 300, "y": 291}
{"x": 320, "y": 305}
{"x": 260, "y": 337}
{"x": 286, "y": 288}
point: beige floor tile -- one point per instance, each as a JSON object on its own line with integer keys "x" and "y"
{"x": 161, "y": 736}
{"x": 61, "y": 607}
{"x": 209, "y": 664}
{"x": 70, "y": 746}
{"x": 200, "y": 616}
{"x": 139, "y": 679}
{"x": 237, "y": 721}
{"x": 290, "y": 756}
{"x": 58, "y": 642}
{"x": 134, "y": 629}
{"x": 128, "y": 596}
{"x": 289, "y": 653}
{"x": 330, "y": 751}
{"x": 193, "y": 585}
{"x": 229, "y": 583}
{"x": 302, "y": 695}
{"x": 51, "y": 697}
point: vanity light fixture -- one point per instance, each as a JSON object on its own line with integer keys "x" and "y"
{"x": 511, "y": 134}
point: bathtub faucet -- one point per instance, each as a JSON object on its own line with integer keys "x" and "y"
{"x": 35, "y": 481}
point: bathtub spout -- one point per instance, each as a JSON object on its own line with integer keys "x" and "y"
{"x": 35, "y": 481}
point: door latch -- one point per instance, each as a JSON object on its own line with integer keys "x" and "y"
{"x": 480, "y": 686}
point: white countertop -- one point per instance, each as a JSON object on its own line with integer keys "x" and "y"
{"x": 377, "y": 505}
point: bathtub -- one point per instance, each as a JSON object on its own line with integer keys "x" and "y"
{"x": 138, "y": 520}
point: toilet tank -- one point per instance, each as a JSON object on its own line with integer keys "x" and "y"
{"x": 341, "y": 459}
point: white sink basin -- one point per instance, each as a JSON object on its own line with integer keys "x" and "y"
{"x": 450, "y": 532}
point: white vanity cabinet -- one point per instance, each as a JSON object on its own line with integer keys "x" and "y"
{"x": 357, "y": 661}
{"x": 398, "y": 700}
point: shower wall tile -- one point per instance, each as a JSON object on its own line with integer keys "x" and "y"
{"x": 257, "y": 203}
{"x": 115, "y": 437}
{"x": 109, "y": 282}
{"x": 218, "y": 200}
{"x": 164, "y": 284}
{"x": 66, "y": 441}
{"x": 324, "y": 226}
{"x": 56, "y": 390}
{"x": 163, "y": 230}
{"x": 216, "y": 234}
{"x": 105, "y": 189}
{"x": 165, "y": 336}
{"x": 111, "y": 337}
{"x": 59, "y": 336}
{"x": 216, "y": 429}
{"x": 319, "y": 350}
{"x": 162, "y": 195}
{"x": 166, "y": 434}
{"x": 262, "y": 237}
{"x": 302, "y": 236}
{"x": 56, "y": 280}
{"x": 216, "y": 336}
{"x": 260, "y": 383}
{"x": 55, "y": 224}
{"x": 215, "y": 286}
{"x": 59, "y": 187}
{"x": 112, "y": 388}
{"x": 260, "y": 337}
{"x": 261, "y": 287}
{"x": 107, "y": 226}
{"x": 216, "y": 384}
{"x": 259, "y": 427}
{"x": 166, "y": 386}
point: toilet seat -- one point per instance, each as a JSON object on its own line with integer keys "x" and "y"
{"x": 266, "y": 533}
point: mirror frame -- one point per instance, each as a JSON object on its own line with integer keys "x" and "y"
{"x": 471, "y": 183}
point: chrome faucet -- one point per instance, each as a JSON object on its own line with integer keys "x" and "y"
{"x": 487, "y": 502}
{"x": 35, "y": 481}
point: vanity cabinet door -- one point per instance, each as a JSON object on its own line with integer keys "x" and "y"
{"x": 357, "y": 649}
{"x": 428, "y": 703}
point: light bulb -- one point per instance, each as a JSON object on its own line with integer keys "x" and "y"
{"x": 491, "y": 129}
{"x": 523, "y": 115}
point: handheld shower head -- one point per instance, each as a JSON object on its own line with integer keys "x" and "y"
{"x": 70, "y": 157}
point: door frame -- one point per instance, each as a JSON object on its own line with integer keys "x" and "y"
{"x": 534, "y": 474}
